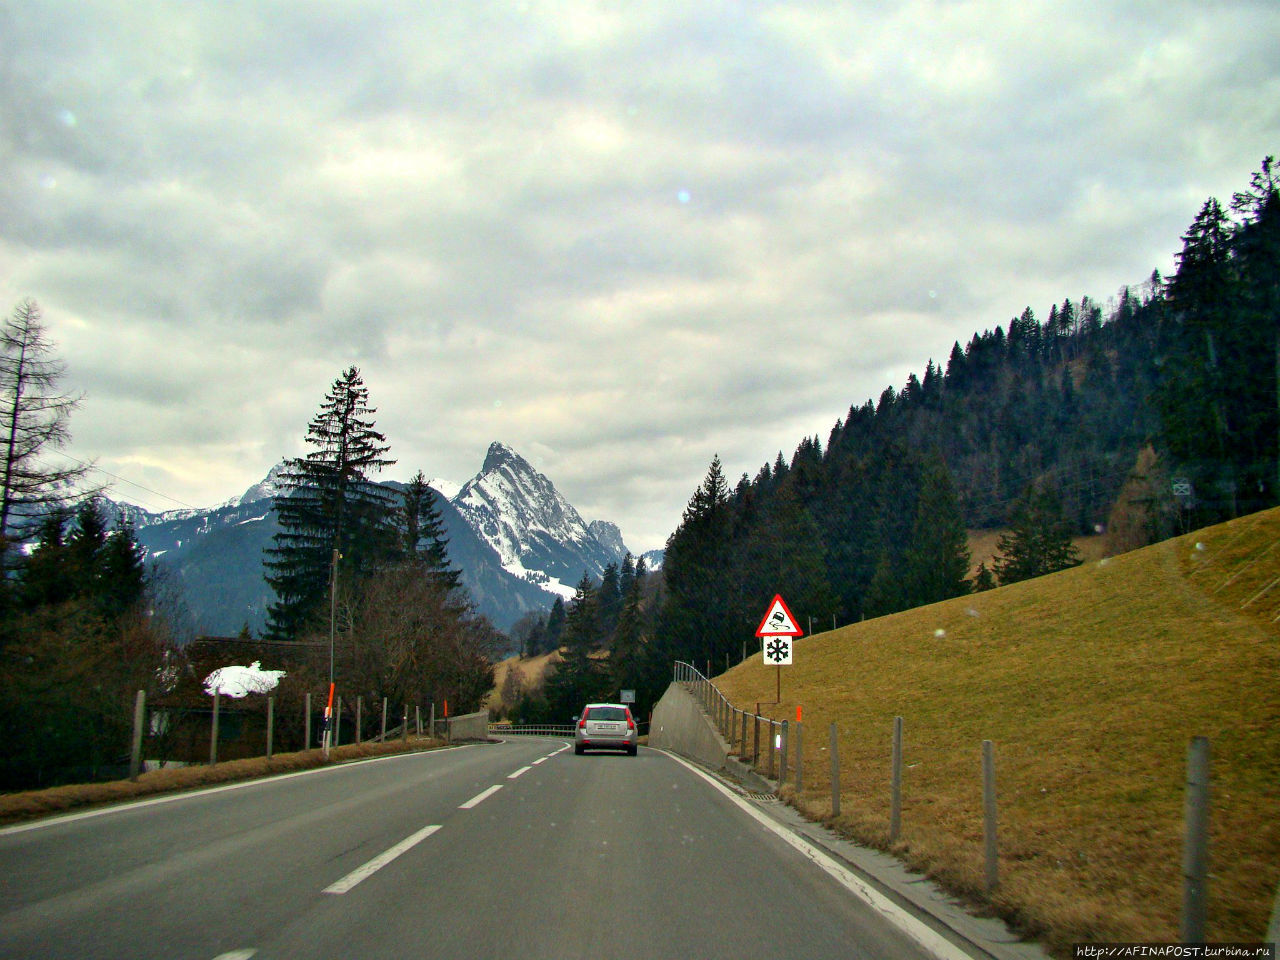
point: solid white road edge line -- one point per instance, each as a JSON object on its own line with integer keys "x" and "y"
{"x": 512, "y": 776}
{"x": 480, "y": 797}
{"x": 54, "y": 820}
{"x": 917, "y": 930}
{"x": 380, "y": 861}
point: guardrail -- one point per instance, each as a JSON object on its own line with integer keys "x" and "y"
{"x": 529, "y": 730}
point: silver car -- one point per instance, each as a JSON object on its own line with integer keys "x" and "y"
{"x": 605, "y": 726}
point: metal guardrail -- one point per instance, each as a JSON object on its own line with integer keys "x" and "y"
{"x": 546, "y": 729}
{"x": 529, "y": 730}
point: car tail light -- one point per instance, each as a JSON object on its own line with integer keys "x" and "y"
{"x": 631, "y": 724}
{"x": 582, "y": 723}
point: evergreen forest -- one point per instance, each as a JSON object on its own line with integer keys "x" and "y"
{"x": 1150, "y": 416}
{"x": 1146, "y": 416}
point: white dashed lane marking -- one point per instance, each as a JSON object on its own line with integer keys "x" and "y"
{"x": 380, "y": 861}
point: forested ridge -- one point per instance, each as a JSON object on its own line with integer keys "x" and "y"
{"x": 1153, "y": 414}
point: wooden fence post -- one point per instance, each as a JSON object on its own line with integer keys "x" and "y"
{"x": 382, "y": 737}
{"x": 895, "y": 796}
{"x": 271, "y": 724}
{"x": 306, "y": 711}
{"x": 990, "y": 851}
{"x": 1195, "y": 851}
{"x": 835, "y": 770}
{"x": 337, "y": 726}
{"x": 213, "y": 733}
{"x": 139, "y": 719}
{"x": 359, "y": 718}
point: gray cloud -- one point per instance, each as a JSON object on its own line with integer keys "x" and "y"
{"x": 620, "y": 238}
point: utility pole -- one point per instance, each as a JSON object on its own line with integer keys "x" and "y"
{"x": 333, "y": 615}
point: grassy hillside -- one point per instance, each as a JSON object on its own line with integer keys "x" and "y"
{"x": 1090, "y": 682}
{"x": 530, "y": 672}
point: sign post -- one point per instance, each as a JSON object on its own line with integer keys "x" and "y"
{"x": 776, "y": 631}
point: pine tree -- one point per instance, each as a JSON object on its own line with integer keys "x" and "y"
{"x": 984, "y": 579}
{"x": 936, "y": 562}
{"x": 1206, "y": 380}
{"x": 102, "y": 569}
{"x": 885, "y": 594}
{"x": 697, "y": 615}
{"x": 44, "y": 580}
{"x": 555, "y": 625}
{"x": 425, "y": 543}
{"x": 1258, "y": 249}
{"x": 627, "y": 574}
{"x": 609, "y": 601}
{"x": 578, "y": 678}
{"x": 122, "y": 573}
{"x": 1038, "y": 541}
{"x": 783, "y": 553}
{"x": 330, "y": 510}
{"x": 85, "y": 545}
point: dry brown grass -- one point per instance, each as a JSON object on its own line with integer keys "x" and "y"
{"x": 29, "y": 805}
{"x": 1091, "y": 683}
{"x": 530, "y": 672}
{"x": 984, "y": 547}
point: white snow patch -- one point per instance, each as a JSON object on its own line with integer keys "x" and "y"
{"x": 446, "y": 488}
{"x": 239, "y": 682}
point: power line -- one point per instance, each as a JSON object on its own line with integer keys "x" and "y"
{"x": 93, "y": 466}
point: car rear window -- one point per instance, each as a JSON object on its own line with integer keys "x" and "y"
{"x": 606, "y": 713}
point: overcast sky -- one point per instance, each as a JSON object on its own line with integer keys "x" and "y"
{"x": 620, "y": 237}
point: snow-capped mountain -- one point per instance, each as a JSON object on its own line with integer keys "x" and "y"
{"x": 535, "y": 531}
{"x": 265, "y": 490}
{"x": 518, "y": 542}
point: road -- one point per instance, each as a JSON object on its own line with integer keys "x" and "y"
{"x": 514, "y": 850}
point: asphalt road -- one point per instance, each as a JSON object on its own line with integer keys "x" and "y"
{"x": 517, "y": 850}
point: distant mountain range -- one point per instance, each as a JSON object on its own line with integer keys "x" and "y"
{"x": 518, "y": 542}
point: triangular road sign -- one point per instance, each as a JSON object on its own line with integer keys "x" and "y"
{"x": 778, "y": 621}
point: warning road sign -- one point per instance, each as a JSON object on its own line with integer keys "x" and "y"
{"x": 778, "y": 621}
{"x": 777, "y": 651}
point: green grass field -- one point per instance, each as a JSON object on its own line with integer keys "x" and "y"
{"x": 1091, "y": 683}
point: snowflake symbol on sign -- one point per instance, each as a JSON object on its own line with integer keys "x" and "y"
{"x": 778, "y": 649}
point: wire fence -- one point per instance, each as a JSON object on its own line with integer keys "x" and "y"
{"x": 775, "y": 749}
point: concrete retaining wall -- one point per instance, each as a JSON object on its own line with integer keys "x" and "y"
{"x": 680, "y": 725}
{"x": 469, "y": 726}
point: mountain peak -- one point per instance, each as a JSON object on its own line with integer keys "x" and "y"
{"x": 266, "y": 488}
{"x": 535, "y": 531}
{"x": 500, "y": 455}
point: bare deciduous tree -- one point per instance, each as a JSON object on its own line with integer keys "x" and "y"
{"x": 414, "y": 641}
{"x": 34, "y": 420}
